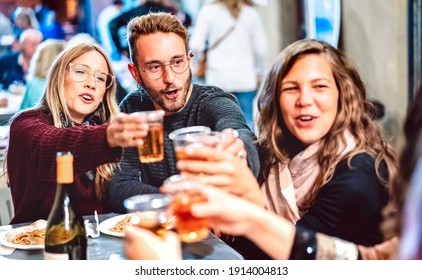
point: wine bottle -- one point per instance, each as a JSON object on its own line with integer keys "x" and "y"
{"x": 65, "y": 237}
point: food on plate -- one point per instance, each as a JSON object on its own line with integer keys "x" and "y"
{"x": 34, "y": 234}
{"x": 122, "y": 225}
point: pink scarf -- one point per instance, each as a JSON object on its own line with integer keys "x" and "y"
{"x": 288, "y": 184}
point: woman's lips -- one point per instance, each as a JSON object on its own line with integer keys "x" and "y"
{"x": 305, "y": 121}
{"x": 87, "y": 98}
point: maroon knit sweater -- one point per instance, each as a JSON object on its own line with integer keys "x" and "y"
{"x": 31, "y": 163}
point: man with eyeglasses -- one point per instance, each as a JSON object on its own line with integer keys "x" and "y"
{"x": 158, "y": 44}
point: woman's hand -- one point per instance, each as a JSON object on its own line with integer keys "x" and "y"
{"x": 230, "y": 214}
{"x": 127, "y": 130}
{"x": 222, "y": 169}
{"x": 233, "y": 144}
{"x": 235, "y": 216}
{"x": 225, "y": 212}
{"x": 142, "y": 244}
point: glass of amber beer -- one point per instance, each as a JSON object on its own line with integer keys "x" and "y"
{"x": 194, "y": 136}
{"x": 151, "y": 211}
{"x": 152, "y": 150}
{"x": 189, "y": 228}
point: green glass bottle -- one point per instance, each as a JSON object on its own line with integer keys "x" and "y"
{"x": 65, "y": 236}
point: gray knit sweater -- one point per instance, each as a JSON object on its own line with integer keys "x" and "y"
{"x": 208, "y": 106}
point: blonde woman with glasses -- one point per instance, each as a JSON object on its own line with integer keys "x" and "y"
{"x": 76, "y": 113}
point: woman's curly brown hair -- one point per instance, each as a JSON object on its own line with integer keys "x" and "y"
{"x": 354, "y": 113}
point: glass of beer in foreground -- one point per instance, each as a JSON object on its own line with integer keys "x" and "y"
{"x": 151, "y": 211}
{"x": 194, "y": 136}
{"x": 152, "y": 150}
{"x": 189, "y": 228}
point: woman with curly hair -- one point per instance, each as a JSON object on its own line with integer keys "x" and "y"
{"x": 325, "y": 163}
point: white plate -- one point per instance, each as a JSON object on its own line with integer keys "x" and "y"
{"x": 105, "y": 225}
{"x": 10, "y": 234}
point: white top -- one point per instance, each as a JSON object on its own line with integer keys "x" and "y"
{"x": 103, "y": 21}
{"x": 235, "y": 63}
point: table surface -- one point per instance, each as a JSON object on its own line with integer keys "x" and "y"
{"x": 107, "y": 247}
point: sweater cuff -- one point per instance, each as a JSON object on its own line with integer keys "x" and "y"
{"x": 304, "y": 245}
{"x": 114, "y": 154}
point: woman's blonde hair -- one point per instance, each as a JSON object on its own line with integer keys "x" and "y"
{"x": 53, "y": 100}
{"x": 355, "y": 113}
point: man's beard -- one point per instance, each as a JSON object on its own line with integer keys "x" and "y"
{"x": 169, "y": 105}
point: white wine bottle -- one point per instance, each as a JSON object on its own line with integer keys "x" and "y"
{"x": 65, "y": 237}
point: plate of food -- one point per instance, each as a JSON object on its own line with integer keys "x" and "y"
{"x": 116, "y": 226}
{"x": 30, "y": 237}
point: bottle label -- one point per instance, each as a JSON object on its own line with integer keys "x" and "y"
{"x": 55, "y": 256}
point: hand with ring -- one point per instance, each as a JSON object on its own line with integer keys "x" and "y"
{"x": 234, "y": 145}
{"x": 223, "y": 170}
{"x": 241, "y": 155}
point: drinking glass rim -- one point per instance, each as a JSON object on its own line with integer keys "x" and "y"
{"x": 159, "y": 200}
{"x": 189, "y": 129}
{"x": 187, "y": 182}
{"x": 151, "y": 114}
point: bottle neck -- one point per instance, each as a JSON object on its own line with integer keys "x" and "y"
{"x": 63, "y": 195}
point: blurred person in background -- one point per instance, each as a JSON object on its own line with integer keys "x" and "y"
{"x": 14, "y": 65}
{"x": 411, "y": 243}
{"x": 6, "y": 34}
{"x": 237, "y": 63}
{"x": 145, "y": 7}
{"x": 41, "y": 62}
{"x": 6, "y": 27}
{"x": 78, "y": 113}
{"x": 23, "y": 19}
{"x": 46, "y": 17}
{"x": 407, "y": 208}
{"x": 104, "y": 18}
{"x": 124, "y": 80}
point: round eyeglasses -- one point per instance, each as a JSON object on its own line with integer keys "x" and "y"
{"x": 80, "y": 73}
{"x": 155, "y": 70}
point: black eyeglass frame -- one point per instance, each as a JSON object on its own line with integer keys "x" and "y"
{"x": 163, "y": 65}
